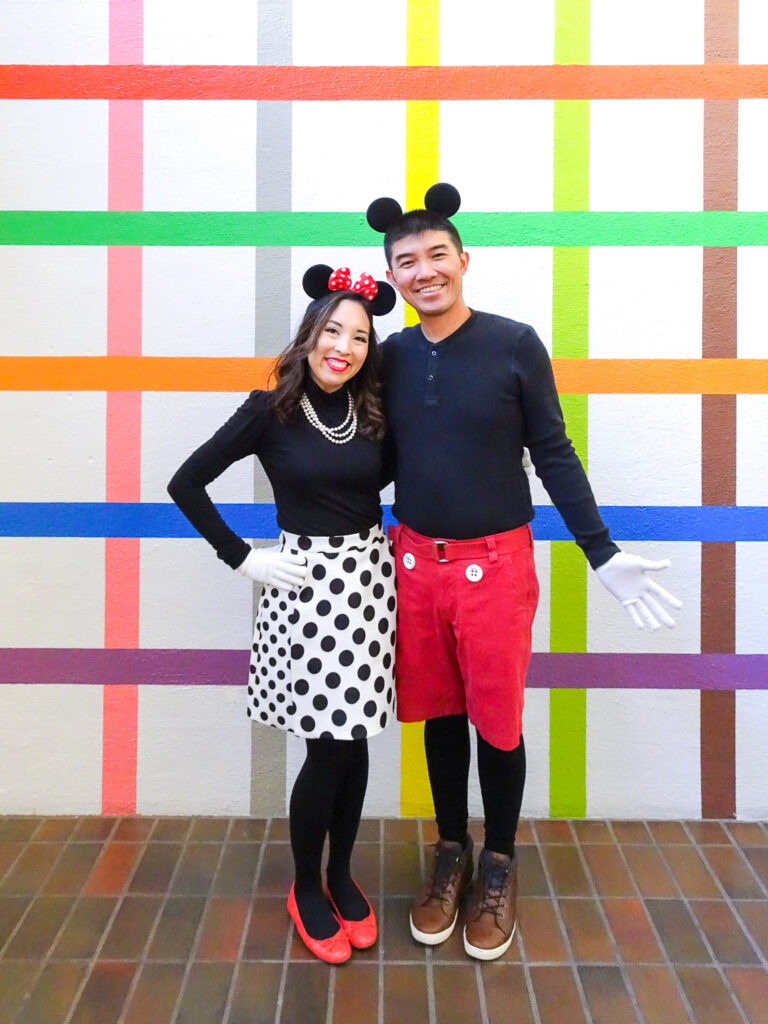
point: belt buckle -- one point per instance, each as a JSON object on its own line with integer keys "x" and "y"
{"x": 439, "y": 546}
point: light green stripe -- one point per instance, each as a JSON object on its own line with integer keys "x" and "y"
{"x": 570, "y": 303}
{"x": 559, "y": 228}
{"x": 570, "y": 185}
{"x": 570, "y": 338}
{"x": 567, "y": 753}
{"x": 572, "y": 28}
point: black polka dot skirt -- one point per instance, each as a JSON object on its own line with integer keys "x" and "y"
{"x": 323, "y": 657}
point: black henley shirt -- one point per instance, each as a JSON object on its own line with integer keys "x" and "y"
{"x": 459, "y": 413}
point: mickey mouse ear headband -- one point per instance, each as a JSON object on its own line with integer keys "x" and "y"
{"x": 442, "y": 198}
{"x": 320, "y": 280}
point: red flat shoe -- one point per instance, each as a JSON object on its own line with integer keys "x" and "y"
{"x": 333, "y": 950}
{"x": 361, "y": 934}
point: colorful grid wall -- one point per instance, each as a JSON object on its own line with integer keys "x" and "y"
{"x": 169, "y": 170}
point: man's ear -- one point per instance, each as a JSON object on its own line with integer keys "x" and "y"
{"x": 464, "y": 258}
{"x": 392, "y": 281}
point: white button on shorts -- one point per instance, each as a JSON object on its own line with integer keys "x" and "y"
{"x": 408, "y": 560}
{"x": 473, "y": 573}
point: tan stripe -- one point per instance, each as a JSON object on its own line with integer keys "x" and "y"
{"x": 718, "y": 419}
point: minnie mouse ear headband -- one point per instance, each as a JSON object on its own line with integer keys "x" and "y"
{"x": 320, "y": 280}
{"x": 442, "y": 198}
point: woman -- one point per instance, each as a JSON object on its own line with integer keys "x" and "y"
{"x": 323, "y": 649}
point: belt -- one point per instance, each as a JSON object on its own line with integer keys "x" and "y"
{"x": 450, "y": 550}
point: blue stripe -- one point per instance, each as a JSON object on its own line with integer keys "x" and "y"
{"x": 163, "y": 519}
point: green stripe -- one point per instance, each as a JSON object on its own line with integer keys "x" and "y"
{"x": 571, "y": 228}
{"x": 570, "y": 338}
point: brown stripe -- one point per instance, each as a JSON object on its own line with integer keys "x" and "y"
{"x": 718, "y": 767}
{"x": 718, "y": 417}
{"x": 718, "y": 462}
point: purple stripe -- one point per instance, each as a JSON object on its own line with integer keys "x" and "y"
{"x": 229, "y": 668}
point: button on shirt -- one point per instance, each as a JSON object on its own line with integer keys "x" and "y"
{"x": 459, "y": 413}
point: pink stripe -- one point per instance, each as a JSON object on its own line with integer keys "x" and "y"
{"x": 123, "y": 450}
{"x": 118, "y": 773}
{"x": 126, "y": 153}
{"x": 126, "y": 31}
{"x": 121, "y": 592}
{"x": 124, "y": 265}
{"x": 124, "y": 446}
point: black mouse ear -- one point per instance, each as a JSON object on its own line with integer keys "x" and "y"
{"x": 443, "y": 198}
{"x": 382, "y": 213}
{"x": 385, "y": 299}
{"x": 315, "y": 280}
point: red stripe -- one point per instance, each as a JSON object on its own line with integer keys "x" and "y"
{"x": 289, "y": 82}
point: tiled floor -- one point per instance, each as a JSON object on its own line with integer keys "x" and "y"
{"x": 159, "y": 920}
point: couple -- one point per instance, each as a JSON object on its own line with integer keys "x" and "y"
{"x": 463, "y": 392}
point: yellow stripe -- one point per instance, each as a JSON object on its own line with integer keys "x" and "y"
{"x": 422, "y": 159}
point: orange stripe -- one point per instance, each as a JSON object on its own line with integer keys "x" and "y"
{"x": 172, "y": 373}
{"x": 572, "y": 81}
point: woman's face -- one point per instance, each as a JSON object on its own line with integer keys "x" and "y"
{"x": 341, "y": 346}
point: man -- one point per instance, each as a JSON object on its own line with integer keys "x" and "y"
{"x": 465, "y": 392}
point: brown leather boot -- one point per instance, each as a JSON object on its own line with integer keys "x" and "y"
{"x": 491, "y": 921}
{"x": 434, "y": 911}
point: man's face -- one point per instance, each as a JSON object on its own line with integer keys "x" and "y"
{"x": 427, "y": 271}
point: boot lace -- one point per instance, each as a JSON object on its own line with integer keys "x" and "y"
{"x": 493, "y": 888}
{"x": 446, "y": 874}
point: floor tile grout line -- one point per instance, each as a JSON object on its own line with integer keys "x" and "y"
{"x": 380, "y": 926}
{"x": 428, "y": 965}
{"x": 527, "y": 975}
{"x": 730, "y": 903}
{"x": 142, "y": 959}
{"x": 726, "y": 899}
{"x": 34, "y": 895}
{"x": 656, "y": 933}
{"x": 246, "y": 926}
{"x": 198, "y": 930}
{"x": 598, "y": 901}
{"x": 702, "y": 935}
{"x": 331, "y": 997}
{"x": 563, "y": 929}
{"x": 119, "y": 900}
{"x": 286, "y": 958}
{"x": 44, "y": 960}
{"x": 479, "y": 982}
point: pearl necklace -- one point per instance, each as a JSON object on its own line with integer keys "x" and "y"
{"x": 337, "y": 435}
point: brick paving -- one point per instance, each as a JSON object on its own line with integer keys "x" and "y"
{"x": 183, "y": 921}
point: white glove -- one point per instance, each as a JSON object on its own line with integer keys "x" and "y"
{"x": 527, "y": 464}
{"x": 274, "y": 568}
{"x": 626, "y": 577}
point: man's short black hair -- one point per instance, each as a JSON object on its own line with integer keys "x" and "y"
{"x": 416, "y": 222}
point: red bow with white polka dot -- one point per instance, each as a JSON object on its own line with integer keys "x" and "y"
{"x": 341, "y": 280}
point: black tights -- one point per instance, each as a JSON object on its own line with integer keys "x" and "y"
{"x": 327, "y": 800}
{"x": 502, "y": 779}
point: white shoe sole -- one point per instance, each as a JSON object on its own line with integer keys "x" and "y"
{"x": 488, "y": 954}
{"x": 433, "y": 938}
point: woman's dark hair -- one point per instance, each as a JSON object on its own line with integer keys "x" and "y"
{"x": 292, "y": 369}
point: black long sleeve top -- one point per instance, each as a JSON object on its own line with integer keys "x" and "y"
{"x": 459, "y": 413}
{"x": 320, "y": 488}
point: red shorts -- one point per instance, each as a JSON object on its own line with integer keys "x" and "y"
{"x": 464, "y": 616}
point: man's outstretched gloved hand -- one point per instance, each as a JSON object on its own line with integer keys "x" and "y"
{"x": 274, "y": 568}
{"x": 628, "y": 579}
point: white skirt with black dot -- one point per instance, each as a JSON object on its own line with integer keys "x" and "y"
{"x": 323, "y": 657}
